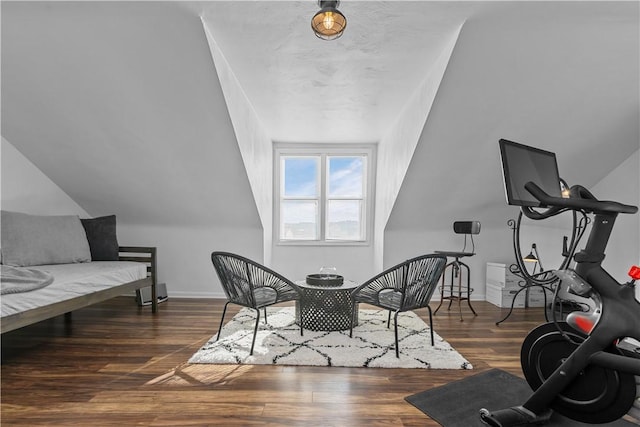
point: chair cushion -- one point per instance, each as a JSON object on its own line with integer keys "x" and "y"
{"x": 265, "y": 296}
{"x": 390, "y": 299}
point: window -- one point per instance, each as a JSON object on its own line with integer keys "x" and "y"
{"x": 323, "y": 194}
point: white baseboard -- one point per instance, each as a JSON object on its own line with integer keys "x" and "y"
{"x": 221, "y": 295}
{"x": 204, "y": 295}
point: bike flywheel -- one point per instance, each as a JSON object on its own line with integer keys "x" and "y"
{"x": 597, "y": 395}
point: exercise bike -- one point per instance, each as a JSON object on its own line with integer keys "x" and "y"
{"x": 578, "y": 367}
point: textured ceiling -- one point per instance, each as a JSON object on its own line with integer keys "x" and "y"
{"x": 352, "y": 89}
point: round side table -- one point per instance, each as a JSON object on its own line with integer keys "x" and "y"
{"x": 326, "y": 308}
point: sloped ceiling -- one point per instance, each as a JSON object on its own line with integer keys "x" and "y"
{"x": 120, "y": 105}
{"x": 562, "y": 76}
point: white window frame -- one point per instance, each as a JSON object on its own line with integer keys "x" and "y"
{"x": 323, "y": 151}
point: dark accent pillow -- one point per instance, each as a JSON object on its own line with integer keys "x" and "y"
{"x": 101, "y": 234}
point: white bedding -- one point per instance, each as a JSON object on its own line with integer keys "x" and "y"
{"x": 72, "y": 280}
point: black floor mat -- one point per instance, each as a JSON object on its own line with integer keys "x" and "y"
{"x": 457, "y": 404}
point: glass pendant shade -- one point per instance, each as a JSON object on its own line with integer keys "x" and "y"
{"x": 328, "y": 23}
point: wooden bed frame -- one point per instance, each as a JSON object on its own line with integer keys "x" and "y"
{"x": 145, "y": 255}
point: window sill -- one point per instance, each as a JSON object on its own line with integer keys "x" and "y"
{"x": 321, "y": 243}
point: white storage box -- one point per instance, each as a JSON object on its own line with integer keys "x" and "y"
{"x": 499, "y": 275}
{"x": 502, "y": 297}
{"x": 536, "y": 296}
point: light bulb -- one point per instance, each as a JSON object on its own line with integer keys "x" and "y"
{"x": 328, "y": 20}
{"x": 565, "y": 191}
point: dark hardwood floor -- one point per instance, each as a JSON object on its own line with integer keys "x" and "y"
{"x": 117, "y": 364}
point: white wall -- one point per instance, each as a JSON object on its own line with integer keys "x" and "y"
{"x": 491, "y": 245}
{"x": 495, "y": 244}
{"x": 623, "y": 250}
{"x": 184, "y": 254}
{"x": 353, "y": 262}
{"x": 397, "y": 146}
{"x": 25, "y": 188}
{"x": 253, "y": 141}
{"x": 184, "y": 262}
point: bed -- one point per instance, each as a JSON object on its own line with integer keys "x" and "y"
{"x": 75, "y": 276}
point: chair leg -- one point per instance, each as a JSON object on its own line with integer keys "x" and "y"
{"x": 454, "y": 272}
{"x": 389, "y": 319}
{"x": 431, "y": 325}
{"x": 224, "y": 311}
{"x": 265, "y": 315}
{"x": 255, "y": 331}
{"x": 395, "y": 323}
{"x": 469, "y": 288}
{"x": 442, "y": 285}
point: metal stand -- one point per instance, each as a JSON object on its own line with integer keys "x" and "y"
{"x": 455, "y": 267}
{"x": 526, "y": 287}
{"x": 544, "y": 279}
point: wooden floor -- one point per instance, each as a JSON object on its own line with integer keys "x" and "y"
{"x": 117, "y": 364}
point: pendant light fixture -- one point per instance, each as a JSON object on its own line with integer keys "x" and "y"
{"x": 329, "y": 23}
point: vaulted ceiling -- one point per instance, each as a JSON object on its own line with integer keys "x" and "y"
{"x": 120, "y": 105}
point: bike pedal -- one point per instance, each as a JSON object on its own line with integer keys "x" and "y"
{"x": 514, "y": 416}
{"x": 544, "y": 417}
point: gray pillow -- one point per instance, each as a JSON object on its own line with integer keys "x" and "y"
{"x": 38, "y": 240}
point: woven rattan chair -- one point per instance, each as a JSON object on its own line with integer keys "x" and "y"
{"x": 403, "y": 287}
{"x": 252, "y": 285}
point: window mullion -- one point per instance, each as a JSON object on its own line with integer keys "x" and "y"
{"x": 322, "y": 201}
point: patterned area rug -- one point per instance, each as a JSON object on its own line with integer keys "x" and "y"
{"x": 279, "y": 343}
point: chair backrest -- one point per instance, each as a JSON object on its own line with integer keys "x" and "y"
{"x": 233, "y": 272}
{"x": 466, "y": 227}
{"x": 240, "y": 277}
{"x": 421, "y": 280}
{"x": 415, "y": 279}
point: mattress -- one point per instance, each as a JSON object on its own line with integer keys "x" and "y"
{"x": 72, "y": 280}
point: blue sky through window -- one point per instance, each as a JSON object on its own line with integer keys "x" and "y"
{"x": 300, "y": 176}
{"x": 345, "y": 176}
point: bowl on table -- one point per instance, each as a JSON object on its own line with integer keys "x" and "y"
{"x": 321, "y": 279}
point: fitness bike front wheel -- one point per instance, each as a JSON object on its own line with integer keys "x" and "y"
{"x": 596, "y": 395}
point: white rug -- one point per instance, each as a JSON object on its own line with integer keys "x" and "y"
{"x": 279, "y": 343}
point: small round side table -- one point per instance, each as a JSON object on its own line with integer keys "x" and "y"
{"x": 326, "y": 308}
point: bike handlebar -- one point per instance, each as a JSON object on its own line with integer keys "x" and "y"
{"x": 581, "y": 199}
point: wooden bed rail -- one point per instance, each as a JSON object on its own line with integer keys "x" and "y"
{"x": 146, "y": 255}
